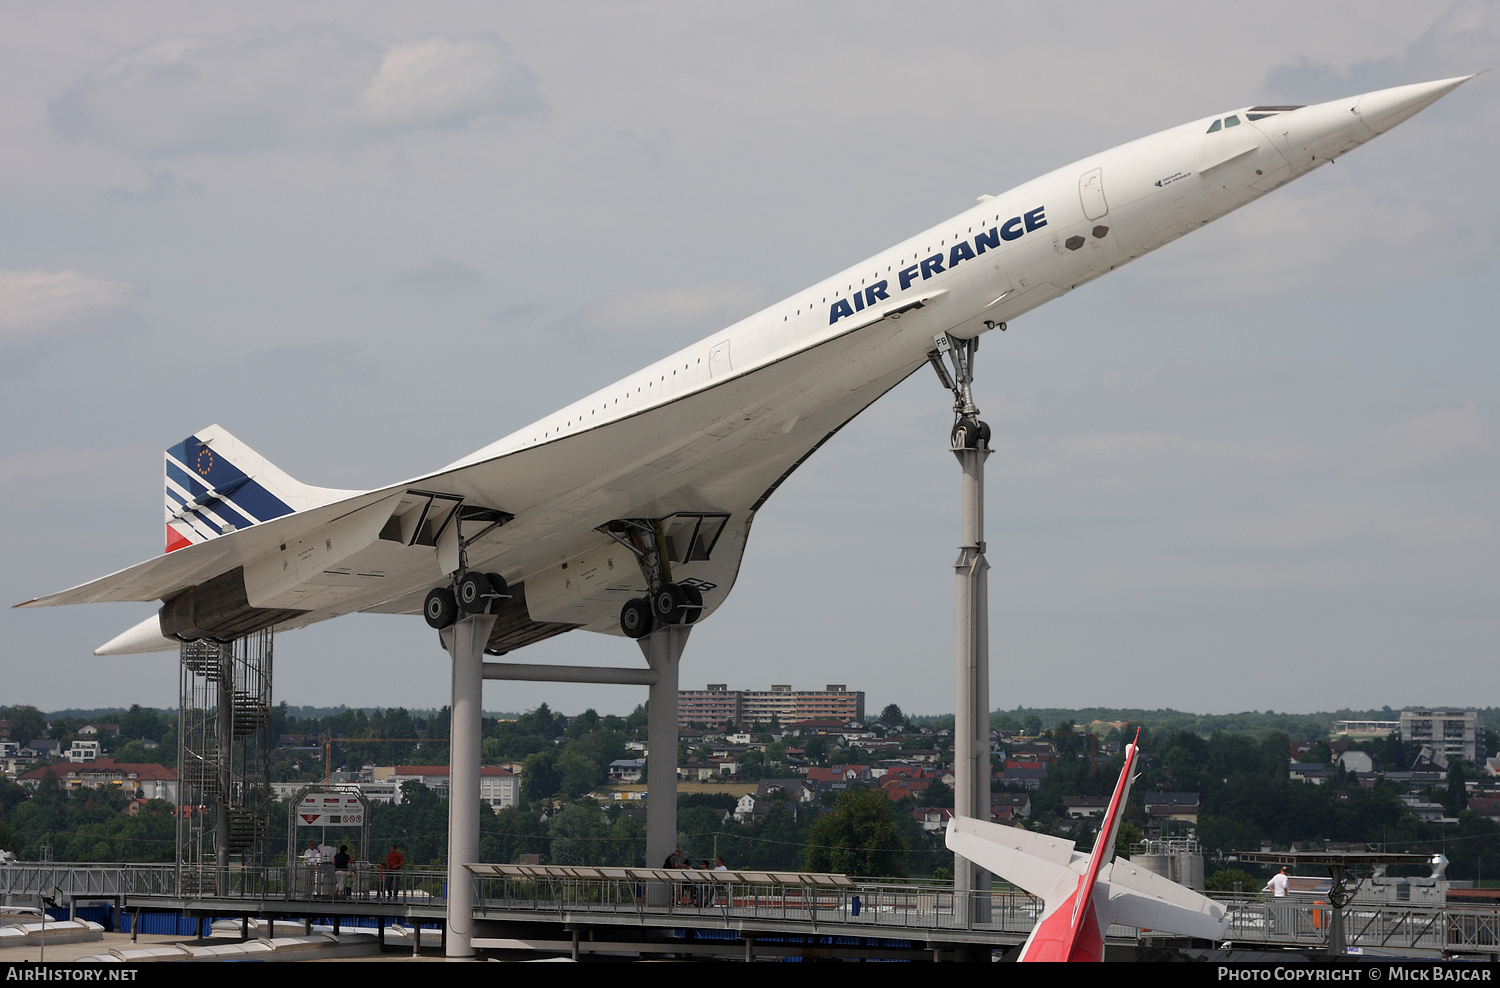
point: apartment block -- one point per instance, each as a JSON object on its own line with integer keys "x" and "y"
{"x": 718, "y": 706}
{"x": 1455, "y": 733}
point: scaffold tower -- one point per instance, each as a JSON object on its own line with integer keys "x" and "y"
{"x": 224, "y": 763}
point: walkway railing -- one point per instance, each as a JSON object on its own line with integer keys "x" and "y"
{"x": 711, "y": 897}
{"x": 296, "y": 882}
{"x": 780, "y": 897}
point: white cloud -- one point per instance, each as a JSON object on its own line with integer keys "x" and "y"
{"x": 245, "y": 91}
{"x": 448, "y": 81}
{"x": 41, "y": 305}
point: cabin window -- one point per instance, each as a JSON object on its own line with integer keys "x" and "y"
{"x": 1216, "y": 125}
{"x": 1231, "y": 121}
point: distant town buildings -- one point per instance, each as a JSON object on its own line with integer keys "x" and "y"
{"x": 719, "y": 707}
{"x": 147, "y": 780}
{"x": 1364, "y": 730}
{"x": 1453, "y": 733}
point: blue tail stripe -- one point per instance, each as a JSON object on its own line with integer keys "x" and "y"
{"x": 223, "y": 507}
{"x": 228, "y": 512}
{"x": 260, "y": 502}
{"x": 205, "y": 465}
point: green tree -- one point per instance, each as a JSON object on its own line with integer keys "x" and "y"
{"x": 578, "y": 775}
{"x": 579, "y": 834}
{"x": 27, "y": 723}
{"x": 858, "y": 838}
{"x": 540, "y": 778}
{"x": 938, "y": 793}
{"x": 1225, "y": 879}
{"x": 1126, "y": 837}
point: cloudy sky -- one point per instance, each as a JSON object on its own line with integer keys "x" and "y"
{"x": 1257, "y": 469}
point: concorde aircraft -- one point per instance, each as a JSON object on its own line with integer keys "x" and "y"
{"x": 1086, "y": 893}
{"x": 630, "y": 509}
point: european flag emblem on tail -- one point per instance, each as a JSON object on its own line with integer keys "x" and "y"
{"x": 215, "y": 485}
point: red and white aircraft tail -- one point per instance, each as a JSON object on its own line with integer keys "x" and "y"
{"x": 1085, "y": 893}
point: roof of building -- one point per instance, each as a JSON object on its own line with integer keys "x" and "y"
{"x": 410, "y": 771}
{"x": 105, "y": 766}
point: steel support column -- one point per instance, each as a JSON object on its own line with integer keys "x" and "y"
{"x": 465, "y": 640}
{"x": 663, "y": 651}
{"x": 971, "y": 728}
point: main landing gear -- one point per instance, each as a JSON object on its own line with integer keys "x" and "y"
{"x": 471, "y": 593}
{"x": 666, "y": 603}
{"x": 674, "y": 603}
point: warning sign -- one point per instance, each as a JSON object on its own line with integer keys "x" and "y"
{"x": 330, "y": 809}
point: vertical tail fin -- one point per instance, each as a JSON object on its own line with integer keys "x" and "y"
{"x": 1104, "y": 850}
{"x": 215, "y": 484}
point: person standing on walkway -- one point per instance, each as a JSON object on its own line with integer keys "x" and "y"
{"x": 388, "y": 872}
{"x": 340, "y": 871}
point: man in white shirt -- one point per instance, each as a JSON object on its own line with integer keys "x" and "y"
{"x": 1277, "y": 885}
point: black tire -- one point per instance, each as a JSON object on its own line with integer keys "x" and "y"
{"x": 666, "y": 604}
{"x": 694, "y": 606}
{"x": 440, "y": 609}
{"x": 970, "y": 434}
{"x": 499, "y": 587}
{"x": 635, "y": 618}
{"x": 474, "y": 593}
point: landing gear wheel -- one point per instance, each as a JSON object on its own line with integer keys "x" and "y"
{"x": 499, "y": 588}
{"x": 694, "y": 605}
{"x": 440, "y": 609}
{"x": 635, "y": 618}
{"x": 970, "y": 434}
{"x": 667, "y": 604}
{"x": 474, "y": 593}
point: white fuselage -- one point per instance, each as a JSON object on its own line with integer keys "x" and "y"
{"x": 1141, "y": 195}
{"x": 715, "y": 427}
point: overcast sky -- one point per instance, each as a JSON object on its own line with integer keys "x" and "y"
{"x": 1256, "y": 469}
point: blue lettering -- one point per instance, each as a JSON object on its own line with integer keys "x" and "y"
{"x": 985, "y": 240}
{"x": 908, "y": 275}
{"x": 961, "y": 252}
{"x": 875, "y": 291}
{"x": 1035, "y": 220}
{"x": 933, "y": 265}
{"x": 1011, "y": 230}
{"x": 840, "y": 309}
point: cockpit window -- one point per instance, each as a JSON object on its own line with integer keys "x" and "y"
{"x": 1231, "y": 121}
{"x": 1215, "y": 126}
{"x": 1261, "y": 112}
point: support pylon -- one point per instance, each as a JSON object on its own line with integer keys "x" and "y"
{"x": 970, "y": 440}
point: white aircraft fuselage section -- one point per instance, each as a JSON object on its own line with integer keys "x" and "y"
{"x": 713, "y": 428}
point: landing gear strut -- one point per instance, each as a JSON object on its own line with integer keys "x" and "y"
{"x": 968, "y": 431}
{"x": 666, "y": 603}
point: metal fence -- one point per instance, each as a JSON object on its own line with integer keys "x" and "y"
{"x": 818, "y": 902}
{"x": 713, "y": 896}
{"x": 295, "y": 882}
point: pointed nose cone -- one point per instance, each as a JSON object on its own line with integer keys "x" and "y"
{"x": 1385, "y": 108}
{"x": 1315, "y": 135}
